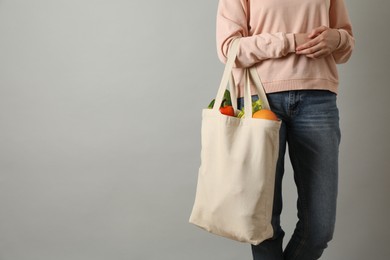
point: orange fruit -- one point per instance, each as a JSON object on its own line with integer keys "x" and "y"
{"x": 265, "y": 114}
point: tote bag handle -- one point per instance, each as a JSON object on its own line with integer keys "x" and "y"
{"x": 249, "y": 72}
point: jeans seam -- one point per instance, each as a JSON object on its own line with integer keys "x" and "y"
{"x": 294, "y": 99}
{"x": 305, "y": 213}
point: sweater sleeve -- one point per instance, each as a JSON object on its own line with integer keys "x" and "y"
{"x": 339, "y": 20}
{"x": 232, "y": 22}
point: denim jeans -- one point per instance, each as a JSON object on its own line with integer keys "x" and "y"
{"x": 310, "y": 127}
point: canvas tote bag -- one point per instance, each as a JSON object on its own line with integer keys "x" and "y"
{"x": 235, "y": 189}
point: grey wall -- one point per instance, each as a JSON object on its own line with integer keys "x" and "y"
{"x": 100, "y": 107}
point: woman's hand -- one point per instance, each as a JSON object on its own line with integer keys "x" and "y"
{"x": 321, "y": 42}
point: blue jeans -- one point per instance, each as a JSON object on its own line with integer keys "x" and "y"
{"x": 310, "y": 127}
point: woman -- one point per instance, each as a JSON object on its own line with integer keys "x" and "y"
{"x": 295, "y": 46}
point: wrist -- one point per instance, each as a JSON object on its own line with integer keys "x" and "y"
{"x": 291, "y": 41}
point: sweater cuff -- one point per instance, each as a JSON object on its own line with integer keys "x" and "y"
{"x": 343, "y": 39}
{"x": 290, "y": 43}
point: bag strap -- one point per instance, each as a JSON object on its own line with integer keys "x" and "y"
{"x": 232, "y": 54}
{"x": 259, "y": 87}
{"x": 227, "y": 76}
{"x": 233, "y": 94}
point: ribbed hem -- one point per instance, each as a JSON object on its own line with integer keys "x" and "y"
{"x": 300, "y": 84}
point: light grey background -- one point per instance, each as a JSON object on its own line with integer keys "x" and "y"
{"x": 100, "y": 106}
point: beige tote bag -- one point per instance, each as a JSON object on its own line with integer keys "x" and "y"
{"x": 235, "y": 189}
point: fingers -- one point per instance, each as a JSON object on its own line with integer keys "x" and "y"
{"x": 309, "y": 51}
{"x": 318, "y": 54}
{"x": 316, "y": 51}
{"x": 317, "y": 47}
{"x": 302, "y": 49}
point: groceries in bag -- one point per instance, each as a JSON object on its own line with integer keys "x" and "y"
{"x": 257, "y": 109}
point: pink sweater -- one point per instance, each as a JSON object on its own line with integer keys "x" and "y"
{"x": 267, "y": 29}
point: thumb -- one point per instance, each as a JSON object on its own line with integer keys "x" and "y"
{"x": 316, "y": 31}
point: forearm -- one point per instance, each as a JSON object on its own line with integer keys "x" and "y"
{"x": 232, "y": 23}
{"x": 344, "y": 49}
{"x": 256, "y": 48}
{"x": 339, "y": 19}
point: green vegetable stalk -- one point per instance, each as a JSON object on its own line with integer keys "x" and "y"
{"x": 226, "y": 101}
